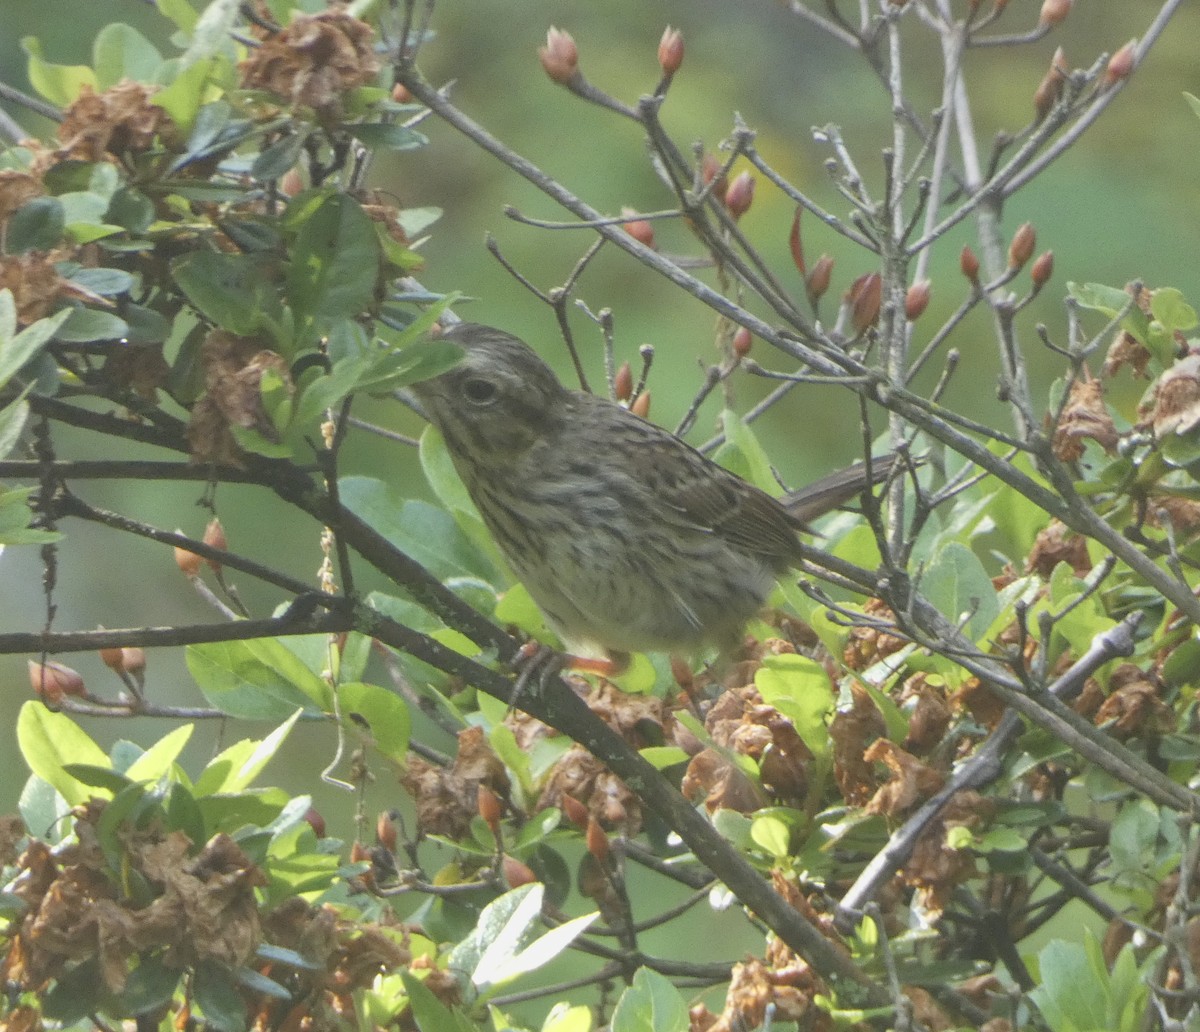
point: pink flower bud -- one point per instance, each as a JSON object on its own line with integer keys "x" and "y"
{"x": 916, "y": 300}
{"x": 1054, "y": 12}
{"x": 969, "y": 264}
{"x": 865, "y": 297}
{"x": 640, "y": 229}
{"x": 741, "y": 342}
{"x": 1021, "y": 249}
{"x": 670, "y": 51}
{"x": 214, "y": 537}
{"x": 817, "y": 280}
{"x": 1051, "y": 86}
{"x": 560, "y": 56}
{"x": 623, "y": 382}
{"x": 1042, "y": 270}
{"x": 1120, "y": 65}
{"x": 52, "y": 680}
{"x": 740, "y": 194}
{"x": 796, "y": 244}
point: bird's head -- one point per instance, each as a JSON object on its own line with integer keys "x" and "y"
{"x": 497, "y": 401}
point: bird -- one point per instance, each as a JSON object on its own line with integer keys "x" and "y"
{"x": 626, "y": 537}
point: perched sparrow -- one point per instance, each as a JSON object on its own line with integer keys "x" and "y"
{"x": 627, "y": 538}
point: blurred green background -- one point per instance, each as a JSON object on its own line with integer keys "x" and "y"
{"x": 1121, "y": 205}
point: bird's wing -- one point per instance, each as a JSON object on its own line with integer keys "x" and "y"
{"x": 708, "y": 496}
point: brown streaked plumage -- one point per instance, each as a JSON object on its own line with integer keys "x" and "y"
{"x": 627, "y": 537}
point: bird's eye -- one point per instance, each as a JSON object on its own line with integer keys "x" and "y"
{"x": 478, "y": 391}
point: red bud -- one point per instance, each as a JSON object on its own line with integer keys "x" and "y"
{"x": 112, "y": 659}
{"x": 1051, "y": 86}
{"x": 670, "y": 51}
{"x": 560, "y": 56}
{"x": 516, "y": 873}
{"x": 188, "y": 562}
{"x": 640, "y": 229}
{"x": 214, "y": 537}
{"x": 1120, "y": 65}
{"x": 742, "y": 341}
{"x": 385, "y": 831}
{"x": 1054, "y": 12}
{"x": 710, "y": 169}
{"x": 623, "y": 382}
{"x": 597, "y": 841}
{"x": 641, "y": 405}
{"x": 575, "y": 811}
{"x": 916, "y": 300}
{"x": 1042, "y": 270}
{"x": 52, "y": 680}
{"x": 969, "y": 264}
{"x": 740, "y": 194}
{"x": 400, "y": 94}
{"x": 315, "y": 821}
{"x": 865, "y": 297}
{"x": 1021, "y": 249}
{"x": 291, "y": 183}
{"x": 133, "y": 660}
{"x": 817, "y": 280}
{"x": 796, "y": 244}
{"x": 489, "y": 807}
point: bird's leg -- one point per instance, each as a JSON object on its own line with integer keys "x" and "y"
{"x": 536, "y": 665}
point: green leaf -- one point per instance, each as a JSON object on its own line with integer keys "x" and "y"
{"x": 502, "y": 926}
{"x": 184, "y": 814}
{"x": 565, "y": 1018}
{"x": 48, "y": 741}
{"x": 1169, "y": 308}
{"x": 282, "y": 955}
{"x": 1193, "y": 102}
{"x": 255, "y": 680}
{"x": 88, "y": 324}
{"x": 235, "y": 768}
{"x": 16, "y": 351}
{"x": 280, "y": 156}
{"x": 957, "y": 584}
{"x": 121, "y": 52}
{"x": 150, "y": 986}
{"x": 744, "y": 455}
{"x": 76, "y": 993}
{"x": 430, "y": 1014}
{"x": 12, "y": 424}
{"x": 1077, "y": 993}
{"x": 260, "y": 983}
{"x": 772, "y": 835}
{"x": 800, "y": 689}
{"x": 427, "y": 533}
{"x": 497, "y": 968}
{"x": 388, "y": 135}
{"x": 131, "y": 210}
{"x": 650, "y": 1004}
{"x": 215, "y": 991}
{"x": 59, "y": 84}
{"x": 210, "y": 35}
{"x": 233, "y": 290}
{"x": 384, "y": 713}
{"x": 37, "y": 225}
{"x": 156, "y": 762}
{"x": 105, "y": 282}
{"x": 98, "y": 777}
{"x": 335, "y": 261}
{"x": 146, "y": 326}
{"x": 182, "y": 97}
{"x": 660, "y": 757}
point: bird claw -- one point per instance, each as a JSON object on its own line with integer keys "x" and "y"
{"x": 537, "y": 665}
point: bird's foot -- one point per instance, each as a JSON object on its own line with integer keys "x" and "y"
{"x": 537, "y": 665}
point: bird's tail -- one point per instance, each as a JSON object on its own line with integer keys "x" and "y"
{"x": 822, "y": 496}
